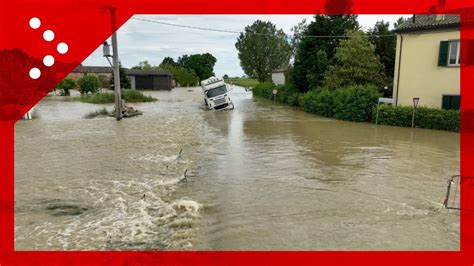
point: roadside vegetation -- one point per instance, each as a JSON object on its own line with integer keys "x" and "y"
{"x": 263, "y": 48}
{"x": 343, "y": 78}
{"x": 430, "y": 118}
{"x": 90, "y": 86}
{"x": 65, "y": 86}
{"x": 97, "y": 98}
{"x": 358, "y": 103}
{"x": 134, "y": 96}
{"x": 108, "y": 97}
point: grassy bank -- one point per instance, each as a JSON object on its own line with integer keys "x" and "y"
{"x": 243, "y": 82}
{"x": 108, "y": 97}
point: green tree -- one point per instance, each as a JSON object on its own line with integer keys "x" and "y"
{"x": 298, "y": 34}
{"x": 104, "y": 81}
{"x": 202, "y": 64}
{"x": 182, "y": 76}
{"x": 88, "y": 83}
{"x": 385, "y": 43}
{"x": 226, "y": 76}
{"x": 66, "y": 85}
{"x": 170, "y": 61}
{"x": 355, "y": 63}
{"x": 400, "y": 21}
{"x": 125, "y": 82}
{"x": 313, "y": 54}
{"x": 321, "y": 60}
{"x": 262, "y": 49}
{"x": 143, "y": 65}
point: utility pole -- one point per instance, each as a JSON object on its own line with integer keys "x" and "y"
{"x": 116, "y": 71}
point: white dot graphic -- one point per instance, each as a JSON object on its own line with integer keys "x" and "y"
{"x": 48, "y": 35}
{"x": 35, "y": 23}
{"x": 35, "y": 73}
{"x": 62, "y": 48}
{"x": 48, "y": 60}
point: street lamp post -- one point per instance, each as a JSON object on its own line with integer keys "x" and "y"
{"x": 274, "y": 92}
{"x": 415, "y": 104}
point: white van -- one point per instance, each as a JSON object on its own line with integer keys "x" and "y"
{"x": 216, "y": 94}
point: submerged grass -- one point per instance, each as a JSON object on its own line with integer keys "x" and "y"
{"x": 97, "y": 98}
{"x": 106, "y": 97}
{"x": 101, "y": 112}
{"x": 136, "y": 97}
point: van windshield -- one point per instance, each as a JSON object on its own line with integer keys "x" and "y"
{"x": 216, "y": 91}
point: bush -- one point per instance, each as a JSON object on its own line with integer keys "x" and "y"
{"x": 134, "y": 96}
{"x": 105, "y": 82}
{"x": 89, "y": 83}
{"x": 181, "y": 75}
{"x": 355, "y": 103}
{"x": 286, "y": 93}
{"x": 294, "y": 99}
{"x": 424, "y": 117}
{"x": 319, "y": 102}
{"x": 66, "y": 85}
{"x": 264, "y": 90}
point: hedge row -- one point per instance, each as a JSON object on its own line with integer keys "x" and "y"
{"x": 286, "y": 94}
{"x": 353, "y": 103}
{"x": 430, "y": 118}
{"x": 358, "y": 103}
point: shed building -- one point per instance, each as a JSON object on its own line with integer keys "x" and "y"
{"x": 150, "y": 79}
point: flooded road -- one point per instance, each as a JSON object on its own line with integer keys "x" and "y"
{"x": 260, "y": 177}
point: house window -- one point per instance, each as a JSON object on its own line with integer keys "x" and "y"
{"x": 449, "y": 53}
{"x": 454, "y": 50}
{"x": 451, "y": 102}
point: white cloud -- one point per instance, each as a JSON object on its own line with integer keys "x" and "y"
{"x": 140, "y": 40}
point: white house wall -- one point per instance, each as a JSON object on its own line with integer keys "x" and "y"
{"x": 420, "y": 75}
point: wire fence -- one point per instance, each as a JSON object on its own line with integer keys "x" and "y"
{"x": 453, "y": 193}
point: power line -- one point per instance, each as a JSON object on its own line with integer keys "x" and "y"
{"x": 185, "y": 26}
{"x": 238, "y": 32}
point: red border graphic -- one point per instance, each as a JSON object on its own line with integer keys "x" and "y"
{"x": 84, "y": 25}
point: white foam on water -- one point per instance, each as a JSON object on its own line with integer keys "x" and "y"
{"x": 125, "y": 220}
{"x": 187, "y": 205}
{"x": 132, "y": 208}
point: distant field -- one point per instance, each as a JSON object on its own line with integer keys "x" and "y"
{"x": 243, "y": 82}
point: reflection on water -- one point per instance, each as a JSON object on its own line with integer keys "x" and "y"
{"x": 261, "y": 177}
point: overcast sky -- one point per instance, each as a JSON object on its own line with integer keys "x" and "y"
{"x": 140, "y": 40}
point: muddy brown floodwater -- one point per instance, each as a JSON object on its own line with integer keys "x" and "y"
{"x": 260, "y": 177}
